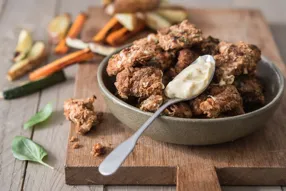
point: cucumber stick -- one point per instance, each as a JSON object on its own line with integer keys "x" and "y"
{"x": 34, "y": 86}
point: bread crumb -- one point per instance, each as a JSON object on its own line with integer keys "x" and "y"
{"x": 75, "y": 145}
{"x": 98, "y": 149}
{"x": 73, "y": 139}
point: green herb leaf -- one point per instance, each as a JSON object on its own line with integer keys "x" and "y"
{"x": 25, "y": 149}
{"x": 39, "y": 117}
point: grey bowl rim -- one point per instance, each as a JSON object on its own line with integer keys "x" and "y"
{"x": 118, "y": 101}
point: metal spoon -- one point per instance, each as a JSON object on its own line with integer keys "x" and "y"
{"x": 114, "y": 160}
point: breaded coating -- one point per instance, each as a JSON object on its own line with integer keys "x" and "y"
{"x": 195, "y": 104}
{"x": 185, "y": 58}
{"x": 98, "y": 150}
{"x": 221, "y": 99}
{"x": 81, "y": 113}
{"x": 234, "y": 60}
{"x": 162, "y": 59}
{"x": 209, "y": 46}
{"x": 179, "y": 36}
{"x": 152, "y": 103}
{"x": 179, "y": 110}
{"x": 139, "y": 82}
{"x": 250, "y": 89}
{"x": 140, "y": 53}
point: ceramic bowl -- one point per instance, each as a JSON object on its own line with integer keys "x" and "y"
{"x": 196, "y": 131}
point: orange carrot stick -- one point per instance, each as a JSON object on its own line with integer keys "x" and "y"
{"x": 74, "y": 31}
{"x": 86, "y": 57}
{"x": 78, "y": 56}
{"x": 100, "y": 36}
{"x": 119, "y": 36}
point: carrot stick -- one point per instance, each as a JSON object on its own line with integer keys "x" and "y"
{"x": 100, "y": 36}
{"x": 119, "y": 36}
{"x": 87, "y": 57}
{"x": 78, "y": 56}
{"x": 73, "y": 32}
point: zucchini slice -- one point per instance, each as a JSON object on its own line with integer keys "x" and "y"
{"x": 34, "y": 86}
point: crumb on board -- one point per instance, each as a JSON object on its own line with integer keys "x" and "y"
{"x": 73, "y": 139}
{"x": 98, "y": 150}
{"x": 76, "y": 145}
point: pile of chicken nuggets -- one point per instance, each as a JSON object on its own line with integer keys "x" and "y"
{"x": 144, "y": 69}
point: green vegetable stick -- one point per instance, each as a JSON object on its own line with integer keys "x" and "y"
{"x": 39, "y": 117}
{"x": 25, "y": 149}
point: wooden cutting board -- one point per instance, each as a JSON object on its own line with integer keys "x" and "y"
{"x": 259, "y": 159}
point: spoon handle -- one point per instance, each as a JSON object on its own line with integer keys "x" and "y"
{"x": 114, "y": 160}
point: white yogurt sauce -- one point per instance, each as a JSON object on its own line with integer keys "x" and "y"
{"x": 192, "y": 80}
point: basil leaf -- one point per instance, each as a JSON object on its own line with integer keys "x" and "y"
{"x": 25, "y": 149}
{"x": 39, "y": 117}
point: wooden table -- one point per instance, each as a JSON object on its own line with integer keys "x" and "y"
{"x": 35, "y": 15}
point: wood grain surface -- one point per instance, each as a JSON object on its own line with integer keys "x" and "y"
{"x": 257, "y": 159}
{"x": 35, "y": 15}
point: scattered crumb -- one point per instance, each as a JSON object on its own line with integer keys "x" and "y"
{"x": 98, "y": 149}
{"x": 76, "y": 145}
{"x": 73, "y": 139}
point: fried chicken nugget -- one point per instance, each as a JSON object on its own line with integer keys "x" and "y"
{"x": 217, "y": 100}
{"x": 152, "y": 103}
{"x": 234, "y": 60}
{"x": 179, "y": 36}
{"x": 209, "y": 46}
{"x": 81, "y": 113}
{"x": 222, "y": 99}
{"x": 185, "y": 58}
{"x": 139, "y": 82}
{"x": 179, "y": 110}
{"x": 141, "y": 52}
{"x": 250, "y": 89}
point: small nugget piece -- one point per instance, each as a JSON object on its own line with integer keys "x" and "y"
{"x": 140, "y": 53}
{"x": 76, "y": 145}
{"x": 139, "y": 82}
{"x": 98, "y": 149}
{"x": 234, "y": 60}
{"x": 250, "y": 89}
{"x": 179, "y": 36}
{"x": 222, "y": 99}
{"x": 179, "y": 110}
{"x": 195, "y": 104}
{"x": 209, "y": 45}
{"x": 152, "y": 103}
{"x": 185, "y": 58}
{"x": 81, "y": 113}
{"x": 73, "y": 139}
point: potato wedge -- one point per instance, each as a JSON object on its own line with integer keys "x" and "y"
{"x": 173, "y": 14}
{"x": 24, "y": 45}
{"x": 133, "y": 6}
{"x": 155, "y": 21}
{"x": 76, "y": 43}
{"x": 128, "y": 20}
{"x": 58, "y": 27}
{"x": 94, "y": 47}
{"x": 34, "y": 58}
{"x": 101, "y": 49}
